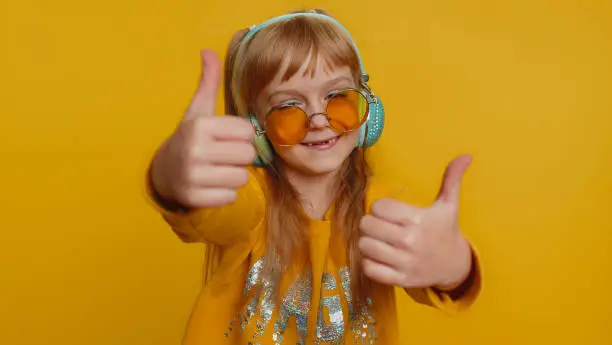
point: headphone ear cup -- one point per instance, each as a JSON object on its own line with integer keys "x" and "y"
{"x": 371, "y": 131}
{"x": 264, "y": 151}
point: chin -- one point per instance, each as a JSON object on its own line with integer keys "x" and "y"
{"x": 320, "y": 166}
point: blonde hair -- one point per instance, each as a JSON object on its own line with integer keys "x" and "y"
{"x": 289, "y": 43}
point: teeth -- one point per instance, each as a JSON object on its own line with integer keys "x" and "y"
{"x": 320, "y": 142}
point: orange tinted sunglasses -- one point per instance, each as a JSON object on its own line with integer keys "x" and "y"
{"x": 345, "y": 111}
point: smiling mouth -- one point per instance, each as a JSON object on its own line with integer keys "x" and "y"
{"x": 321, "y": 143}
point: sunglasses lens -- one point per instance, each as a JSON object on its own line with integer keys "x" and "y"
{"x": 347, "y": 110}
{"x": 287, "y": 125}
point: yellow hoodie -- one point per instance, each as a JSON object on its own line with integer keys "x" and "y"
{"x": 235, "y": 305}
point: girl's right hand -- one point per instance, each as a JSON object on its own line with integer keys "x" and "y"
{"x": 204, "y": 162}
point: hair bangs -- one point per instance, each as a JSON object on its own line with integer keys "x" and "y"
{"x": 285, "y": 47}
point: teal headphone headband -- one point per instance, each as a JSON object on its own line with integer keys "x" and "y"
{"x": 256, "y": 28}
{"x": 370, "y": 131}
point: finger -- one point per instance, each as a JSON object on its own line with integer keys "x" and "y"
{"x": 449, "y": 189}
{"x": 381, "y": 252}
{"x": 215, "y": 176}
{"x": 382, "y": 273}
{"x": 209, "y": 197}
{"x": 233, "y": 128}
{"x": 221, "y": 128}
{"x": 205, "y": 98}
{"x": 395, "y": 211}
{"x": 227, "y": 153}
{"x": 382, "y": 230}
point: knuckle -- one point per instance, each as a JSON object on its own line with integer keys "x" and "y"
{"x": 195, "y": 125}
{"x": 363, "y": 223}
{"x": 361, "y": 243}
{"x": 198, "y": 152}
{"x": 366, "y": 222}
{"x": 367, "y": 246}
{"x": 204, "y": 126}
{"x": 379, "y": 206}
{"x": 404, "y": 243}
{"x": 240, "y": 127}
{"x": 409, "y": 242}
{"x": 248, "y": 129}
{"x": 247, "y": 152}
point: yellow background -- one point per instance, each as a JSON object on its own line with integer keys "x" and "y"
{"x": 89, "y": 88}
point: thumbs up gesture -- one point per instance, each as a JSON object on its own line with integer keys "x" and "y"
{"x": 204, "y": 161}
{"x": 418, "y": 247}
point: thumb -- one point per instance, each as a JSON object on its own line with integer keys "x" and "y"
{"x": 205, "y": 98}
{"x": 451, "y": 182}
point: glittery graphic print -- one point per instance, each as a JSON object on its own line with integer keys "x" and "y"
{"x": 364, "y": 327}
{"x": 363, "y": 324}
{"x": 265, "y": 308}
{"x": 253, "y": 275}
{"x": 330, "y": 333}
{"x": 329, "y": 282}
{"x": 261, "y": 302}
{"x": 295, "y": 306}
{"x": 271, "y": 321}
{"x": 345, "y": 280}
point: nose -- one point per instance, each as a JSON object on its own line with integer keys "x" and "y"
{"x": 318, "y": 118}
{"x": 318, "y": 121}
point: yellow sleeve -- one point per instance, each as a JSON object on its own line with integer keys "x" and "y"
{"x": 219, "y": 226}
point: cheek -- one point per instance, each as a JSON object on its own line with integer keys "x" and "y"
{"x": 285, "y": 152}
{"x": 352, "y": 137}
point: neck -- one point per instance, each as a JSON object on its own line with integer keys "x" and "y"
{"x": 316, "y": 191}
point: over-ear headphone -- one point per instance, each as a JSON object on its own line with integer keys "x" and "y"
{"x": 369, "y": 132}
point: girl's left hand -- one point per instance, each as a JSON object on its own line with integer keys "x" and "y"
{"x": 418, "y": 247}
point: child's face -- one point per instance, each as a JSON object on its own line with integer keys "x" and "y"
{"x": 309, "y": 92}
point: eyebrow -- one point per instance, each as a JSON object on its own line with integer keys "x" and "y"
{"x": 295, "y": 92}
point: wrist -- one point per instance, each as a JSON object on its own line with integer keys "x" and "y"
{"x": 159, "y": 192}
{"x": 464, "y": 288}
{"x": 463, "y": 265}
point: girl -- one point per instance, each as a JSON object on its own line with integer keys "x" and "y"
{"x": 304, "y": 245}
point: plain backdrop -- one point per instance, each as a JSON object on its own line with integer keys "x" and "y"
{"x": 90, "y": 88}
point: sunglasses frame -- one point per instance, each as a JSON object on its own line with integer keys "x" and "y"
{"x": 367, "y": 94}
